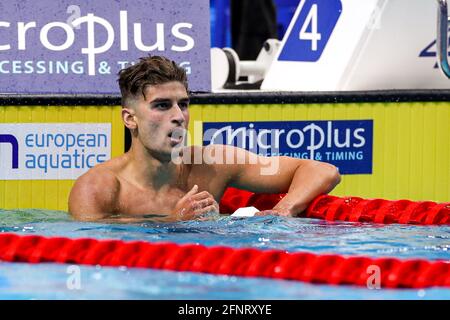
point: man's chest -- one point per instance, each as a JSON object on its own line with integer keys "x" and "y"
{"x": 138, "y": 201}
{"x": 134, "y": 201}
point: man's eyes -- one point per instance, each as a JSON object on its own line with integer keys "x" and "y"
{"x": 183, "y": 105}
{"x": 162, "y": 105}
{"x": 166, "y": 105}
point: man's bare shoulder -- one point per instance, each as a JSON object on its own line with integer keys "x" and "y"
{"x": 94, "y": 193}
{"x": 97, "y": 178}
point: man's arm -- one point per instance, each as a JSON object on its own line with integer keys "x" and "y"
{"x": 94, "y": 196}
{"x": 302, "y": 179}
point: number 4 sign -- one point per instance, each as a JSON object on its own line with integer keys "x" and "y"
{"x": 312, "y": 28}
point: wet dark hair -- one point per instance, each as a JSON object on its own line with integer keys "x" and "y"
{"x": 151, "y": 70}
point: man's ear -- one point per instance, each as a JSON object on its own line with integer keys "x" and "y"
{"x": 128, "y": 117}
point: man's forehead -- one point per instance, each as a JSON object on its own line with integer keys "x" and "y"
{"x": 169, "y": 90}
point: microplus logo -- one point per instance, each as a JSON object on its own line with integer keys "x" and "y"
{"x": 91, "y": 50}
{"x": 52, "y": 151}
{"x": 59, "y": 47}
{"x": 344, "y": 143}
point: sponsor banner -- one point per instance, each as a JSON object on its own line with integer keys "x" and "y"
{"x": 346, "y": 144}
{"x": 52, "y": 151}
{"x": 65, "y": 47}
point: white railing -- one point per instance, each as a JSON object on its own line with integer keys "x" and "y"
{"x": 442, "y": 37}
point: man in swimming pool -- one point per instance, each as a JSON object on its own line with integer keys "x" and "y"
{"x": 150, "y": 179}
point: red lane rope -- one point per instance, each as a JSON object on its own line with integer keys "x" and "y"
{"x": 353, "y": 209}
{"x": 247, "y": 262}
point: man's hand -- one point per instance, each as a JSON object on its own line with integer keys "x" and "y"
{"x": 274, "y": 212}
{"x": 193, "y": 205}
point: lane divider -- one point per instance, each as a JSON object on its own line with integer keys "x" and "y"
{"x": 247, "y": 262}
{"x": 352, "y": 209}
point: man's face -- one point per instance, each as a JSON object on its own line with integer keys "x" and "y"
{"x": 163, "y": 112}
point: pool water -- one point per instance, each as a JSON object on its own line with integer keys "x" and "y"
{"x": 56, "y": 281}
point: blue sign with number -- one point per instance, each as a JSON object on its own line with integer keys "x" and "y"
{"x": 312, "y": 30}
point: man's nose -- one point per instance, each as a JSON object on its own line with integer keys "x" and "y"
{"x": 177, "y": 115}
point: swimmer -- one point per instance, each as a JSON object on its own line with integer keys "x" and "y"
{"x": 150, "y": 179}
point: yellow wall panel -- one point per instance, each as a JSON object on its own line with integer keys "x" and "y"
{"x": 411, "y": 145}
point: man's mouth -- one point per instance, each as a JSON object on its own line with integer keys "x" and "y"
{"x": 176, "y": 136}
{"x": 175, "y": 140}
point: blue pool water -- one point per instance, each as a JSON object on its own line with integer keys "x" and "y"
{"x": 52, "y": 281}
